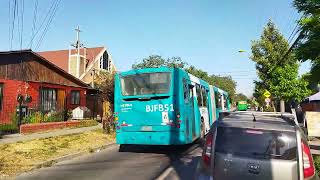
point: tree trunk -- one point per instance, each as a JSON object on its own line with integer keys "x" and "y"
{"x": 282, "y": 108}
{"x": 273, "y": 106}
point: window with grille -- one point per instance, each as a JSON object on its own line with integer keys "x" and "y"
{"x": 48, "y": 98}
{"x": 75, "y": 97}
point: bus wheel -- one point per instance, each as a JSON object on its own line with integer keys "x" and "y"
{"x": 123, "y": 148}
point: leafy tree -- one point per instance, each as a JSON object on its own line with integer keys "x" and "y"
{"x": 308, "y": 47}
{"x": 258, "y": 92}
{"x": 226, "y": 83}
{"x": 198, "y": 73}
{"x": 223, "y": 82}
{"x": 277, "y": 74}
{"x": 104, "y": 81}
{"x": 286, "y": 84}
{"x": 240, "y": 97}
{"x": 155, "y": 61}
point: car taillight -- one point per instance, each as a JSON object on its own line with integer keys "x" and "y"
{"x": 206, "y": 155}
{"x": 308, "y": 167}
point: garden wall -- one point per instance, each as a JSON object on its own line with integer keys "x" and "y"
{"x": 40, "y": 127}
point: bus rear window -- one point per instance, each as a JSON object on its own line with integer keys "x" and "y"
{"x": 255, "y": 143}
{"x": 145, "y": 84}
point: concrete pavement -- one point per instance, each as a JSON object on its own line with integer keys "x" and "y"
{"x": 139, "y": 162}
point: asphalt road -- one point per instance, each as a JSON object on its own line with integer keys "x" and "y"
{"x": 136, "y": 162}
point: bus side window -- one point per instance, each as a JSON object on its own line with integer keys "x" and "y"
{"x": 185, "y": 92}
{"x": 204, "y": 96}
{"x": 225, "y": 101}
{"x": 199, "y": 97}
{"x": 217, "y": 97}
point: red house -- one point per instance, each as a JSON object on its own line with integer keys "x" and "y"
{"x": 44, "y": 86}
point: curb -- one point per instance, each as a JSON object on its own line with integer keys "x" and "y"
{"x": 71, "y": 156}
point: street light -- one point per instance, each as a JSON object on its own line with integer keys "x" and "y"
{"x": 242, "y": 51}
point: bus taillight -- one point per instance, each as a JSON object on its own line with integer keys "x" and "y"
{"x": 178, "y": 115}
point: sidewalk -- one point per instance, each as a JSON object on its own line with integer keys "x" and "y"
{"x": 12, "y": 138}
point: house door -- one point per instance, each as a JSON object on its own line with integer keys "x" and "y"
{"x": 61, "y": 100}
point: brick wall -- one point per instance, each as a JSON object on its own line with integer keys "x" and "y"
{"x": 9, "y": 103}
{"x": 31, "y": 128}
{"x": 11, "y": 89}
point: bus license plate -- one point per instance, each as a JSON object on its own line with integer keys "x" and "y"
{"x": 146, "y": 128}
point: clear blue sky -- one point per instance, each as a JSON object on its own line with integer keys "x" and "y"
{"x": 204, "y": 33}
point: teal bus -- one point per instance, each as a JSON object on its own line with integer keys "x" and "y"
{"x": 164, "y": 106}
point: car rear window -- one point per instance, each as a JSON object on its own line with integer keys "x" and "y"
{"x": 255, "y": 143}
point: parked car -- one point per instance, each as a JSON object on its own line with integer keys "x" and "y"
{"x": 256, "y": 146}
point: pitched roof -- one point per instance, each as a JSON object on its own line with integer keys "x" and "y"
{"x": 50, "y": 64}
{"x": 61, "y": 57}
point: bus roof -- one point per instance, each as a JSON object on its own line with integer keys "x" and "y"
{"x": 146, "y": 70}
{"x": 220, "y": 90}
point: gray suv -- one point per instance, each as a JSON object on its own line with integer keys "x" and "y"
{"x": 256, "y": 146}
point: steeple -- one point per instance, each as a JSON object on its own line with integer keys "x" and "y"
{"x": 77, "y": 59}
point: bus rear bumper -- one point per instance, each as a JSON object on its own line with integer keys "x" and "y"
{"x": 152, "y": 138}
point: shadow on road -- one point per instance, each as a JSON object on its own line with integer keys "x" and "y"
{"x": 181, "y": 157}
{"x": 184, "y": 168}
{"x": 157, "y": 149}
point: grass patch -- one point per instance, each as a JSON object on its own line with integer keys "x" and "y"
{"x": 316, "y": 159}
{"x": 19, "y": 157}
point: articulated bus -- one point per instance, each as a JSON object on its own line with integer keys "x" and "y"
{"x": 164, "y": 106}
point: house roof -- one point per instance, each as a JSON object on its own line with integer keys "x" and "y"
{"x": 50, "y": 64}
{"x": 315, "y": 97}
{"x": 61, "y": 57}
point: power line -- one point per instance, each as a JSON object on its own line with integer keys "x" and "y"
{"x": 18, "y": 18}
{"x": 9, "y": 22}
{"x": 48, "y": 24}
{"x": 301, "y": 34}
{"x": 13, "y": 22}
{"x": 293, "y": 19}
{"x": 44, "y": 20}
{"x": 35, "y": 12}
{"x": 294, "y": 31}
{"x": 21, "y": 35}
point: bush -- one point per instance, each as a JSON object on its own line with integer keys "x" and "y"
{"x": 33, "y": 118}
{"x": 268, "y": 109}
{"x": 86, "y": 123}
{"x": 316, "y": 159}
{"x": 54, "y": 116}
{"x": 11, "y": 127}
{"x": 39, "y": 117}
